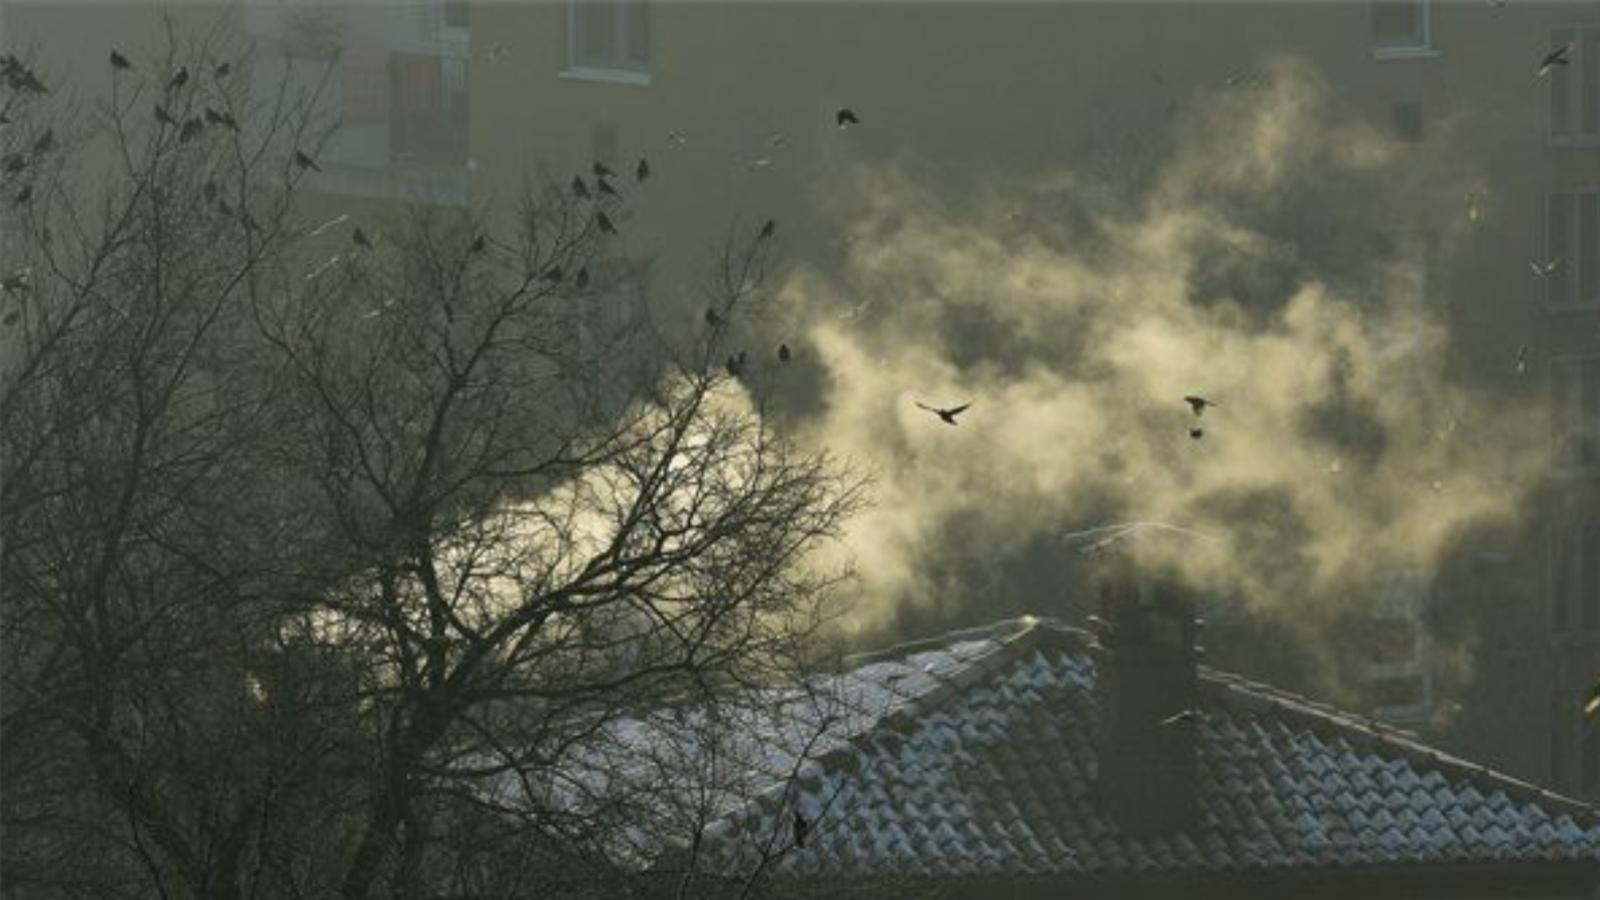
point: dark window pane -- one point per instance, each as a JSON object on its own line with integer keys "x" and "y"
{"x": 1588, "y": 247}
{"x": 597, "y": 30}
{"x": 1397, "y": 23}
{"x": 1559, "y": 227}
{"x": 1561, "y": 88}
{"x": 1561, "y": 581}
{"x": 638, "y": 19}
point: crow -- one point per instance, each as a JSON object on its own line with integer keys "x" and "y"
{"x": 642, "y": 171}
{"x": 361, "y": 239}
{"x": 1543, "y": 269}
{"x": 948, "y": 416}
{"x": 306, "y": 162}
{"x": 768, "y": 229}
{"x": 118, "y": 61}
{"x": 604, "y": 222}
{"x": 845, "y": 118}
{"x": 1198, "y": 404}
{"x": 221, "y": 118}
{"x": 783, "y": 353}
{"x": 579, "y": 188}
{"x": 190, "y": 130}
{"x": 179, "y": 78}
{"x": 735, "y": 364}
{"x": 605, "y": 187}
{"x": 222, "y": 69}
{"x": 478, "y": 244}
{"x": 163, "y": 116}
{"x": 801, "y": 829}
{"x": 1197, "y": 432}
{"x": 712, "y": 318}
{"x": 1556, "y": 57}
{"x": 600, "y": 170}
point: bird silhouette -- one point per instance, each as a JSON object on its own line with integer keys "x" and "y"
{"x": 163, "y": 116}
{"x": 783, "y": 353}
{"x": 478, "y": 244}
{"x": 1197, "y": 432}
{"x": 948, "y": 415}
{"x": 1543, "y": 269}
{"x": 361, "y": 239}
{"x": 604, "y": 221}
{"x": 642, "y": 171}
{"x": 769, "y": 229}
{"x": 605, "y": 187}
{"x": 1556, "y": 57}
{"x": 179, "y": 78}
{"x": 600, "y": 170}
{"x": 1198, "y": 404}
{"x": 579, "y": 188}
{"x": 119, "y": 62}
{"x": 190, "y": 130}
{"x": 846, "y": 117}
{"x": 214, "y": 117}
{"x": 736, "y": 364}
{"x": 222, "y": 69}
{"x": 801, "y": 829}
{"x": 712, "y": 318}
{"x": 306, "y": 162}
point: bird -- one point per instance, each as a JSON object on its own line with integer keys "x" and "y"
{"x": 768, "y": 229}
{"x": 222, "y": 69}
{"x": 45, "y": 142}
{"x": 783, "y": 353}
{"x": 361, "y": 239}
{"x": 214, "y": 117}
{"x": 846, "y": 117}
{"x": 118, "y": 61}
{"x": 14, "y": 163}
{"x": 605, "y": 187}
{"x": 478, "y": 244}
{"x": 24, "y": 196}
{"x": 1543, "y": 269}
{"x": 712, "y": 318}
{"x": 579, "y": 188}
{"x": 801, "y": 829}
{"x": 604, "y": 221}
{"x": 189, "y": 130}
{"x": 1199, "y": 404}
{"x": 735, "y": 364}
{"x": 552, "y": 274}
{"x": 1522, "y": 359}
{"x": 600, "y": 170}
{"x": 1556, "y": 57}
{"x": 1197, "y": 432}
{"x": 642, "y": 171}
{"x": 179, "y": 78}
{"x": 306, "y": 162}
{"x": 676, "y": 138}
{"x": 583, "y": 278}
{"x": 1187, "y": 715}
{"x": 948, "y": 416}
{"x": 1591, "y": 701}
{"x": 163, "y": 116}
{"x": 16, "y": 281}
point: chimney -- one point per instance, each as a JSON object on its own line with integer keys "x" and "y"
{"x": 1146, "y": 738}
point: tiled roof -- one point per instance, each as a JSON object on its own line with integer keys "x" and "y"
{"x": 972, "y": 756}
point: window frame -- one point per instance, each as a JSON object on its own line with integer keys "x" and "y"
{"x": 618, "y": 70}
{"x": 1423, "y": 49}
{"x": 1578, "y": 68}
{"x": 1570, "y": 261}
{"x": 1566, "y": 564}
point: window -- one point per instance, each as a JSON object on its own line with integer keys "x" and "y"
{"x": 428, "y": 113}
{"x": 1572, "y": 235}
{"x": 1575, "y": 577}
{"x": 1575, "y": 88}
{"x": 1575, "y": 411}
{"x": 1400, "y": 28}
{"x": 609, "y": 37}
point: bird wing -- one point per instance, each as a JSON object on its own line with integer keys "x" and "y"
{"x": 925, "y": 406}
{"x": 959, "y": 409}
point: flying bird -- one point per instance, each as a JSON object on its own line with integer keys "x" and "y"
{"x": 1556, "y": 57}
{"x": 783, "y": 353}
{"x": 1188, "y": 715}
{"x": 361, "y": 239}
{"x": 604, "y": 222}
{"x": 1543, "y": 269}
{"x": 579, "y": 188}
{"x": 1199, "y": 404}
{"x": 118, "y": 61}
{"x": 1591, "y": 701}
{"x": 769, "y": 229}
{"x": 948, "y": 416}
{"x": 1197, "y": 432}
{"x": 306, "y": 162}
{"x": 801, "y": 829}
{"x": 600, "y": 170}
{"x": 1522, "y": 359}
{"x": 642, "y": 171}
{"x": 845, "y": 118}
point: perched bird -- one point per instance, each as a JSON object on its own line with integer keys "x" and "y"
{"x": 783, "y": 353}
{"x": 14, "y": 163}
{"x": 361, "y": 239}
{"x": 478, "y": 244}
{"x": 1543, "y": 269}
{"x": 190, "y": 130}
{"x": 1556, "y": 57}
{"x": 712, "y": 318}
{"x": 583, "y": 278}
{"x": 225, "y": 119}
{"x": 801, "y": 829}
{"x": 118, "y": 61}
{"x": 223, "y": 69}
{"x": 600, "y": 170}
{"x": 768, "y": 229}
{"x": 605, "y": 187}
{"x": 845, "y": 118}
{"x": 642, "y": 171}
{"x": 579, "y": 188}
{"x": 735, "y": 364}
{"x": 552, "y": 274}
{"x": 604, "y": 222}
{"x": 306, "y": 162}
{"x": 24, "y": 196}
{"x": 1197, "y": 432}
{"x": 948, "y": 416}
{"x": 179, "y": 78}
{"x": 1198, "y": 404}
{"x": 163, "y": 116}
{"x": 1591, "y": 701}
{"x": 1522, "y": 359}
{"x": 45, "y": 142}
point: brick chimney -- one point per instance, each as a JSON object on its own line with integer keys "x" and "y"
{"x": 1146, "y": 741}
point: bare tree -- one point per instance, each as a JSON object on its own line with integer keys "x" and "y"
{"x": 313, "y": 538}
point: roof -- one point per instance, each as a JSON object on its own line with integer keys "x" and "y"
{"x": 970, "y": 755}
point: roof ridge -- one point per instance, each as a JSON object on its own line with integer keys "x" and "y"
{"x": 1249, "y": 696}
